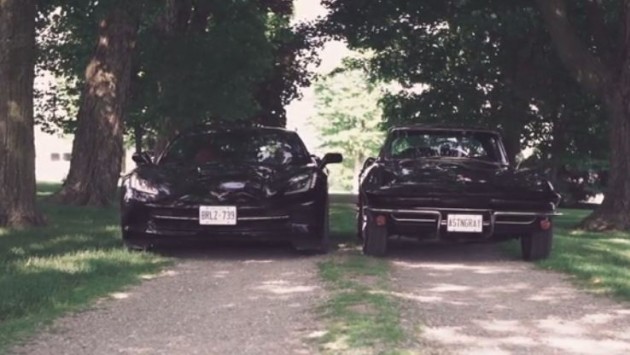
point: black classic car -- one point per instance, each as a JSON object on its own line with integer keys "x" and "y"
{"x": 228, "y": 183}
{"x": 452, "y": 184}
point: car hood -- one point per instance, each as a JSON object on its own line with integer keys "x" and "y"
{"x": 220, "y": 183}
{"x": 448, "y": 177}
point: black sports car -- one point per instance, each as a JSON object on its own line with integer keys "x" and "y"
{"x": 456, "y": 185}
{"x": 228, "y": 183}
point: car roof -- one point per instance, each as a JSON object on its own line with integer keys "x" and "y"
{"x": 454, "y": 128}
{"x": 232, "y": 127}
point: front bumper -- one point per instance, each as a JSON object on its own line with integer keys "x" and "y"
{"x": 157, "y": 223}
{"x": 431, "y": 223}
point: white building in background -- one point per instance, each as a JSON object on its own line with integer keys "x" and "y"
{"x": 53, "y": 154}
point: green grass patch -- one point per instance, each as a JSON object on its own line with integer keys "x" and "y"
{"x": 599, "y": 261}
{"x": 360, "y": 312}
{"x": 77, "y": 258}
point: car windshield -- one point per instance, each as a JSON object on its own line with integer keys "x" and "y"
{"x": 418, "y": 144}
{"x": 267, "y": 147}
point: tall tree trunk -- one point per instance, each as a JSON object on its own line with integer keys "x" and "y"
{"x": 176, "y": 20}
{"x": 98, "y": 145}
{"x": 614, "y": 213}
{"x": 612, "y": 85}
{"x": 17, "y": 147}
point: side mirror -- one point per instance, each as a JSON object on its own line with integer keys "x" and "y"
{"x": 143, "y": 158}
{"x": 331, "y": 158}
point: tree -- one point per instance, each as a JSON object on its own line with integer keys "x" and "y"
{"x": 98, "y": 145}
{"x": 17, "y": 149}
{"x": 598, "y": 57}
{"x": 348, "y": 118}
{"x": 476, "y": 63}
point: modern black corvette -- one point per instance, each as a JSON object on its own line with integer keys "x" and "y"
{"x": 228, "y": 183}
{"x": 451, "y": 184}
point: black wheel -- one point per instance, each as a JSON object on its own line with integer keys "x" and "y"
{"x": 325, "y": 232}
{"x": 322, "y": 244}
{"x": 135, "y": 245}
{"x": 537, "y": 246}
{"x": 374, "y": 239}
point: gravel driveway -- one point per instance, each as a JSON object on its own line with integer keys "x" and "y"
{"x": 471, "y": 299}
{"x": 222, "y": 300}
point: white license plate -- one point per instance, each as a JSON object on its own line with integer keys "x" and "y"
{"x": 470, "y": 223}
{"x": 217, "y": 215}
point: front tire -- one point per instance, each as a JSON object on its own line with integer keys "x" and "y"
{"x": 537, "y": 245}
{"x": 134, "y": 245}
{"x": 322, "y": 244}
{"x": 374, "y": 239}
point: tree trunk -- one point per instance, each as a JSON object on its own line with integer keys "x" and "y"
{"x": 97, "y": 151}
{"x": 612, "y": 85}
{"x": 614, "y": 213}
{"x": 17, "y": 147}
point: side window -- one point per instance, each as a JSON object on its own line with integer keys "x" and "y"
{"x": 55, "y": 157}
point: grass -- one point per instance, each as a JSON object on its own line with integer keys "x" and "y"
{"x": 360, "y": 312}
{"x": 76, "y": 259}
{"x": 598, "y": 261}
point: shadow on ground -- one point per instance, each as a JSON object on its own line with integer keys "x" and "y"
{"x": 472, "y": 298}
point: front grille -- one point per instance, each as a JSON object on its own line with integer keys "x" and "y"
{"x": 188, "y": 218}
{"x": 415, "y": 217}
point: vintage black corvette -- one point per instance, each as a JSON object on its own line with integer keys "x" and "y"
{"x": 228, "y": 183}
{"x": 451, "y": 184}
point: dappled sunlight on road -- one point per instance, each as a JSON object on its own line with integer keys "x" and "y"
{"x": 284, "y": 287}
{"x": 217, "y": 298}
{"x": 471, "y": 299}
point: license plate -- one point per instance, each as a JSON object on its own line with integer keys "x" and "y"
{"x": 217, "y": 215}
{"x": 469, "y": 223}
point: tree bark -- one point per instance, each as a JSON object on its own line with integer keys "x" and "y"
{"x": 17, "y": 147}
{"x": 614, "y": 91}
{"x": 97, "y": 151}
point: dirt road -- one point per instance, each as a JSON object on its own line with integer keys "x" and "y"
{"x": 252, "y": 299}
{"x": 472, "y": 299}
{"x": 222, "y": 300}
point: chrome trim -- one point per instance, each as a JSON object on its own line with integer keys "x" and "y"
{"x": 432, "y": 210}
{"x": 516, "y": 223}
{"x": 420, "y": 220}
{"x": 440, "y": 222}
{"x": 176, "y": 218}
{"x": 268, "y": 218}
{"x": 438, "y": 214}
{"x": 526, "y": 214}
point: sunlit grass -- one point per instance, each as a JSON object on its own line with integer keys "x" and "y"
{"x": 76, "y": 258}
{"x": 599, "y": 261}
{"x": 359, "y": 313}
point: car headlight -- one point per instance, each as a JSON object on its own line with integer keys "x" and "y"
{"x": 143, "y": 186}
{"x": 300, "y": 183}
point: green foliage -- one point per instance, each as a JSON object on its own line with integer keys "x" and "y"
{"x": 191, "y": 77}
{"x": 599, "y": 261}
{"x": 361, "y": 313}
{"x": 77, "y": 258}
{"x": 213, "y": 60}
{"x": 349, "y": 120}
{"x": 481, "y": 63}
